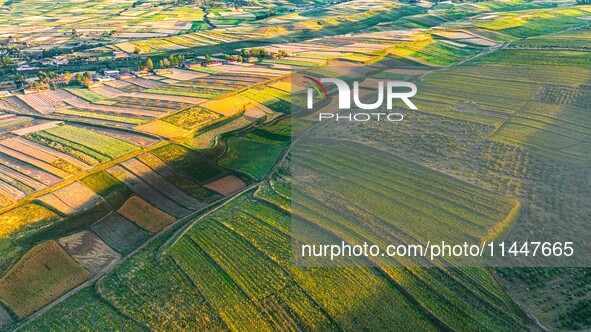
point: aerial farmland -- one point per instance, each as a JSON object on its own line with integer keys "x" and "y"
{"x": 159, "y": 171}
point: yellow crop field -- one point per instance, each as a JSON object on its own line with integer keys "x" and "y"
{"x": 162, "y": 128}
{"x": 42, "y": 275}
{"x": 228, "y": 106}
{"x": 145, "y": 215}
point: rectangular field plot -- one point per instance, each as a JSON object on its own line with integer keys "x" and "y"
{"x": 154, "y": 104}
{"x": 189, "y": 162}
{"x": 89, "y": 250}
{"x": 70, "y": 199}
{"x": 162, "y": 128}
{"x": 47, "y": 102}
{"x": 145, "y": 190}
{"x": 100, "y": 117}
{"x": 145, "y": 215}
{"x": 192, "y": 118}
{"x": 364, "y": 194}
{"x": 86, "y": 145}
{"x": 42, "y": 275}
{"x": 120, "y": 233}
{"x": 226, "y": 185}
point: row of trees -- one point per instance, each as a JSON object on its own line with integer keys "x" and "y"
{"x": 259, "y": 53}
{"x": 51, "y": 78}
{"x": 262, "y": 53}
{"x": 171, "y": 61}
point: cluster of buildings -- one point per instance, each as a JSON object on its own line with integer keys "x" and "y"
{"x": 57, "y": 61}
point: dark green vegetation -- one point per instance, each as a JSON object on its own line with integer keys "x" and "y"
{"x": 257, "y": 151}
{"x": 189, "y": 162}
{"x": 107, "y": 187}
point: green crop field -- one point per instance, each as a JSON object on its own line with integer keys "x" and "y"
{"x": 189, "y": 162}
{"x": 541, "y": 57}
{"x": 254, "y": 153}
{"x": 111, "y": 147}
{"x": 400, "y": 183}
{"x": 86, "y": 94}
{"x": 536, "y": 22}
{"x": 94, "y": 313}
{"x": 83, "y": 144}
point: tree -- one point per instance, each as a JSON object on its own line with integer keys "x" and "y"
{"x": 174, "y": 60}
{"x": 20, "y": 81}
{"x": 149, "y": 64}
{"x": 78, "y": 78}
{"x": 164, "y": 63}
{"x": 86, "y": 81}
{"x": 67, "y": 77}
{"x": 6, "y": 61}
